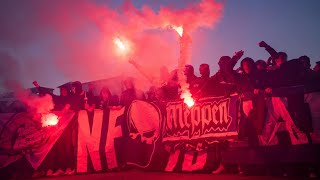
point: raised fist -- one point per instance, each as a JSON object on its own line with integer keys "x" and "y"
{"x": 239, "y": 53}
{"x": 263, "y": 44}
{"x": 35, "y": 83}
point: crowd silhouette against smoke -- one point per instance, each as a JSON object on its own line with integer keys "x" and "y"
{"x": 137, "y": 42}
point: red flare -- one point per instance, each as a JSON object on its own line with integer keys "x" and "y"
{"x": 49, "y": 119}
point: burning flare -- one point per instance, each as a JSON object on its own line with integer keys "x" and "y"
{"x": 189, "y": 101}
{"x": 179, "y": 30}
{"x": 184, "y": 45}
{"x": 187, "y": 96}
{"x": 49, "y": 119}
{"x": 120, "y": 44}
{"x": 122, "y": 47}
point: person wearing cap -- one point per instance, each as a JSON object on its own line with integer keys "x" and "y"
{"x": 63, "y": 102}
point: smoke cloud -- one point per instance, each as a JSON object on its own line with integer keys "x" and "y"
{"x": 59, "y": 41}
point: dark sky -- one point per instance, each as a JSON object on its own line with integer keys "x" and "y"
{"x": 287, "y": 25}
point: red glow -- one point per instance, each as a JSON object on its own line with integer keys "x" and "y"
{"x": 122, "y": 46}
{"x": 96, "y": 50}
{"x": 189, "y": 102}
{"x": 179, "y": 30}
{"x": 187, "y": 98}
{"x": 49, "y": 119}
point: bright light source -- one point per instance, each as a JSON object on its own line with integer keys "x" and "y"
{"x": 179, "y": 30}
{"x": 49, "y": 119}
{"x": 189, "y": 101}
{"x": 119, "y": 44}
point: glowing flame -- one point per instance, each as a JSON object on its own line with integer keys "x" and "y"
{"x": 179, "y": 30}
{"x": 120, "y": 44}
{"x": 189, "y": 101}
{"x": 187, "y": 98}
{"x": 49, "y": 119}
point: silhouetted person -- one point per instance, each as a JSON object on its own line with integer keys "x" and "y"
{"x": 204, "y": 70}
{"x": 261, "y": 65}
{"x": 42, "y": 90}
{"x": 282, "y": 58}
{"x": 198, "y": 86}
{"x": 63, "y": 102}
{"x": 277, "y": 57}
{"x": 305, "y": 60}
{"x": 130, "y": 93}
{"x": 170, "y": 91}
{"x": 223, "y": 82}
{"x": 249, "y": 74}
{"x": 81, "y": 99}
{"x": 106, "y": 99}
{"x": 189, "y": 73}
{"x": 60, "y": 160}
{"x": 252, "y": 84}
{"x": 312, "y": 78}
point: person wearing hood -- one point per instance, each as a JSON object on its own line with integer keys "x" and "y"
{"x": 63, "y": 102}
{"x": 81, "y": 100}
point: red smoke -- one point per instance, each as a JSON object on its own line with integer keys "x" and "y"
{"x": 77, "y": 38}
{"x": 35, "y": 105}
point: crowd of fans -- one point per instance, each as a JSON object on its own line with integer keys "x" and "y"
{"x": 252, "y": 80}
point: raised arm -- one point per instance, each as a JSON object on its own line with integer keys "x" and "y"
{"x": 41, "y": 89}
{"x": 273, "y": 53}
{"x": 141, "y": 70}
{"x": 236, "y": 58}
